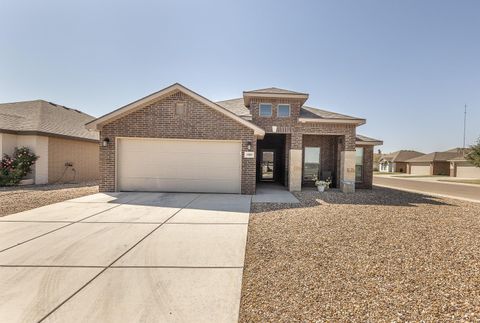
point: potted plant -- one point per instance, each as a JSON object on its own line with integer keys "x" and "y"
{"x": 322, "y": 185}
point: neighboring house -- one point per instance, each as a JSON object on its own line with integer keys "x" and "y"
{"x": 436, "y": 163}
{"x": 178, "y": 140}
{"x": 67, "y": 151}
{"x": 396, "y": 162}
{"x": 461, "y": 167}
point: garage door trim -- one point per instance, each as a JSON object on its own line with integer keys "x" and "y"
{"x": 117, "y": 140}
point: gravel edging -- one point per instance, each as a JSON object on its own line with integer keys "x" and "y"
{"x": 22, "y": 198}
{"x": 376, "y": 255}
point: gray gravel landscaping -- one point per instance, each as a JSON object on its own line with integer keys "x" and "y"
{"x": 380, "y": 255}
{"x": 21, "y": 198}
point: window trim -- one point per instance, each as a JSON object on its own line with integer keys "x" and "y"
{"x": 289, "y": 110}
{"x": 260, "y": 110}
{"x": 362, "y": 165}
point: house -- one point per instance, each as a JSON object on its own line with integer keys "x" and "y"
{"x": 461, "y": 167}
{"x": 396, "y": 162}
{"x": 67, "y": 151}
{"x": 436, "y": 163}
{"x": 177, "y": 140}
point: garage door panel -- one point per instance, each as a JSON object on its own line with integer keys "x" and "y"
{"x": 420, "y": 170}
{"x": 468, "y": 172}
{"x": 179, "y": 165}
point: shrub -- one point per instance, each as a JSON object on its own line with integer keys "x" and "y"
{"x": 14, "y": 168}
{"x": 474, "y": 155}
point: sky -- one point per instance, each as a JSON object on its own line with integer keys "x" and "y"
{"x": 407, "y": 66}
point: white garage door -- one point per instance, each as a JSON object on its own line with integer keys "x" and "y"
{"x": 420, "y": 169}
{"x": 468, "y": 172}
{"x": 179, "y": 165}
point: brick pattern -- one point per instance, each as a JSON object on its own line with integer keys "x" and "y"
{"x": 441, "y": 168}
{"x": 367, "y": 168}
{"x": 284, "y": 124}
{"x": 328, "y": 152}
{"x": 159, "y": 120}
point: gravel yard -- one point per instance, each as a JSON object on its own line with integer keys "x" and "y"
{"x": 380, "y": 255}
{"x": 22, "y": 198}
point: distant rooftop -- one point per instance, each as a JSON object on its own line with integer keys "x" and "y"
{"x": 46, "y": 118}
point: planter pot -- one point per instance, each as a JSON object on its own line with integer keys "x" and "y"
{"x": 29, "y": 181}
{"x": 321, "y": 188}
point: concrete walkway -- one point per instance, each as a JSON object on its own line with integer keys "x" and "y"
{"x": 273, "y": 193}
{"x": 125, "y": 257}
{"x": 453, "y": 190}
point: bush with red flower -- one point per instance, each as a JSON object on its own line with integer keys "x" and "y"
{"x": 14, "y": 168}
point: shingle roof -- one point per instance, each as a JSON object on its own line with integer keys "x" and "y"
{"x": 236, "y": 106}
{"x": 275, "y": 90}
{"x": 438, "y": 156}
{"x": 315, "y": 113}
{"x": 401, "y": 155}
{"x": 45, "y": 117}
{"x": 368, "y": 139}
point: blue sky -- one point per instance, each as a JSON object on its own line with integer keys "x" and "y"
{"x": 407, "y": 66}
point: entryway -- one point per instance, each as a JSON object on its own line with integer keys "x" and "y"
{"x": 271, "y": 159}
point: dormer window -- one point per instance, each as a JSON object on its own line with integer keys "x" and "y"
{"x": 265, "y": 110}
{"x": 283, "y": 110}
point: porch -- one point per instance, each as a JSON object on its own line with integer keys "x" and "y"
{"x": 295, "y": 162}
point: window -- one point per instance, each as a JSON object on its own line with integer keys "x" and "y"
{"x": 283, "y": 110}
{"x": 265, "y": 110}
{"x": 359, "y": 164}
{"x": 311, "y": 163}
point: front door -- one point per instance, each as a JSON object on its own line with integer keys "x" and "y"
{"x": 267, "y": 165}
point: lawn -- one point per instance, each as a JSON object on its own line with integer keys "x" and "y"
{"x": 21, "y": 198}
{"x": 380, "y": 255}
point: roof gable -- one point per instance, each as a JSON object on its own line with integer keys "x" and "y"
{"x": 131, "y": 107}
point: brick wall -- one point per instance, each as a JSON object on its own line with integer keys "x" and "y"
{"x": 328, "y": 152}
{"x": 284, "y": 124}
{"x": 441, "y": 168}
{"x": 159, "y": 120}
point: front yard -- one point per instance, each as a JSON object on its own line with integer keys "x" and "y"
{"x": 21, "y": 198}
{"x": 380, "y": 255}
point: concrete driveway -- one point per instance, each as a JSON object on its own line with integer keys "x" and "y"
{"x": 125, "y": 257}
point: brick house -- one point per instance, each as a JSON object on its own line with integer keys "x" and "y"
{"x": 178, "y": 140}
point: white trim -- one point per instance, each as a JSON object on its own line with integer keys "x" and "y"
{"x": 324, "y": 120}
{"x": 289, "y": 110}
{"x": 177, "y": 139}
{"x": 97, "y": 123}
{"x": 265, "y": 116}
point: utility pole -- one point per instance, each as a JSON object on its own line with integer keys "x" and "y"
{"x": 464, "y": 125}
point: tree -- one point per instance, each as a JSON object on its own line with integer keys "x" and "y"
{"x": 474, "y": 155}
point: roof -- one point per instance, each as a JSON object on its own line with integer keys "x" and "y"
{"x": 364, "y": 140}
{"x": 438, "y": 156}
{"x": 401, "y": 156}
{"x": 315, "y": 113}
{"x": 236, "y": 106}
{"x": 46, "y": 118}
{"x": 275, "y": 90}
{"x": 138, "y": 104}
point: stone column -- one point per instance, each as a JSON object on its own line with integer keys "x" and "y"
{"x": 295, "y": 170}
{"x": 347, "y": 171}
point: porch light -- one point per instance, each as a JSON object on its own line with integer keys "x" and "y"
{"x": 249, "y": 145}
{"x": 274, "y": 128}
{"x": 105, "y": 142}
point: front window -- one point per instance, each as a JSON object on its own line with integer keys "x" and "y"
{"x": 311, "y": 163}
{"x": 265, "y": 110}
{"x": 283, "y": 110}
{"x": 359, "y": 164}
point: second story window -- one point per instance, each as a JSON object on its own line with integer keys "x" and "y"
{"x": 283, "y": 110}
{"x": 265, "y": 110}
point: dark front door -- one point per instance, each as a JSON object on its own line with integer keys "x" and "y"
{"x": 267, "y": 165}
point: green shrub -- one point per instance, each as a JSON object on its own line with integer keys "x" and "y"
{"x": 14, "y": 168}
{"x": 474, "y": 155}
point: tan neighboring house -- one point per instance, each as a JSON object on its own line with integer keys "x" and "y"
{"x": 436, "y": 163}
{"x": 67, "y": 151}
{"x": 396, "y": 162}
{"x": 462, "y": 168}
{"x": 177, "y": 140}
